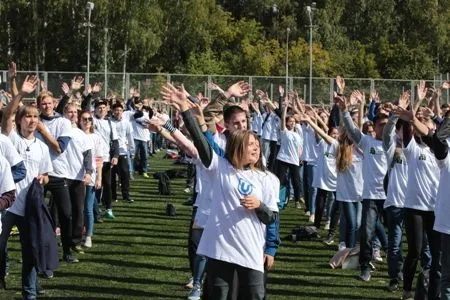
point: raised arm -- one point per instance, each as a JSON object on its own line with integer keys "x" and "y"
{"x": 353, "y": 131}
{"x": 317, "y": 129}
{"x": 389, "y": 132}
{"x": 28, "y": 86}
{"x": 12, "y": 75}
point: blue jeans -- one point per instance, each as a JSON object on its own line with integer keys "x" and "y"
{"x": 445, "y": 259}
{"x": 89, "y": 202}
{"x": 266, "y": 150}
{"x": 350, "y": 212}
{"x": 130, "y": 163}
{"x": 291, "y": 186}
{"x": 371, "y": 213}
{"x": 142, "y": 150}
{"x": 309, "y": 191}
{"x": 394, "y": 216}
{"x": 29, "y": 277}
{"x": 199, "y": 260}
{"x": 380, "y": 240}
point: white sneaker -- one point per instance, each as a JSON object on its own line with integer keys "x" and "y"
{"x": 307, "y": 213}
{"x": 377, "y": 255}
{"x": 327, "y": 225}
{"x": 297, "y": 205}
{"x": 312, "y": 218}
{"x": 88, "y": 242}
{"x": 342, "y": 246}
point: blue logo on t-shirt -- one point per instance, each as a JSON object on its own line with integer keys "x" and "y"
{"x": 244, "y": 187}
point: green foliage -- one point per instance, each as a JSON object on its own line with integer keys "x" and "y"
{"x": 355, "y": 38}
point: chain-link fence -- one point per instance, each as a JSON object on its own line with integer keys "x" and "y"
{"x": 150, "y": 83}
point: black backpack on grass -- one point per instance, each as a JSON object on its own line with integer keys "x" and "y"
{"x": 164, "y": 184}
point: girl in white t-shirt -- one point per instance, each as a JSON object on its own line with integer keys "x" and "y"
{"x": 325, "y": 174}
{"x": 85, "y": 123}
{"x": 36, "y": 157}
{"x": 288, "y": 158}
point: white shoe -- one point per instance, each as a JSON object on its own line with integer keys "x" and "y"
{"x": 88, "y": 242}
{"x": 327, "y": 225}
{"x": 342, "y": 246}
{"x": 312, "y": 218}
{"x": 307, "y": 213}
{"x": 377, "y": 255}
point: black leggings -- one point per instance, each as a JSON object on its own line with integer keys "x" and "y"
{"x": 416, "y": 223}
{"x": 321, "y": 198}
{"x": 121, "y": 169}
{"x": 105, "y": 194}
{"x": 294, "y": 173}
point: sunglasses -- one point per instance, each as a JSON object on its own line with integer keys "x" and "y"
{"x": 90, "y": 119}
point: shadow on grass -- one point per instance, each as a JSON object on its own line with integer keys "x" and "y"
{"x": 132, "y": 264}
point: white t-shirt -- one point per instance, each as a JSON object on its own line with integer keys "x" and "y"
{"x": 221, "y": 140}
{"x": 398, "y": 179}
{"x": 266, "y": 125}
{"x": 97, "y": 151}
{"x": 57, "y": 127}
{"x": 423, "y": 177}
{"x": 204, "y": 195}
{"x": 442, "y": 206}
{"x": 325, "y": 172}
{"x": 141, "y": 132}
{"x": 275, "y": 134}
{"x": 349, "y": 184}
{"x": 257, "y": 123}
{"x": 234, "y": 233}
{"x": 375, "y": 167}
{"x": 37, "y": 161}
{"x": 8, "y": 151}
{"x": 79, "y": 143}
{"x": 103, "y": 128}
{"x": 310, "y": 149}
{"x": 6, "y": 179}
{"x": 125, "y": 134}
{"x": 290, "y": 147}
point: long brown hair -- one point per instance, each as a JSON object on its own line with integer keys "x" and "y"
{"x": 344, "y": 157}
{"x": 237, "y": 143}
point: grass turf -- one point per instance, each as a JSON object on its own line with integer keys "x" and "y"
{"x": 142, "y": 254}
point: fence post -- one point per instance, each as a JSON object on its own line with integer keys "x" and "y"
{"x": 413, "y": 93}
{"x": 331, "y": 91}
{"x": 448, "y": 90}
{"x": 250, "y": 82}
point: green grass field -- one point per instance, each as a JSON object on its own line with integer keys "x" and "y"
{"x": 142, "y": 254}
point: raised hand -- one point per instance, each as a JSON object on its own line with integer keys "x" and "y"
{"x": 76, "y": 83}
{"x": 374, "y": 96}
{"x": 281, "y": 90}
{"x": 341, "y": 102}
{"x": 404, "y": 99}
{"x": 356, "y": 97}
{"x": 65, "y": 88}
{"x": 174, "y": 96}
{"x": 404, "y": 114}
{"x": 97, "y": 87}
{"x": 389, "y": 107}
{"x": 341, "y": 84}
{"x": 12, "y": 71}
{"x": 445, "y": 85}
{"x": 421, "y": 90}
{"x": 214, "y": 87}
{"x": 29, "y": 85}
{"x": 239, "y": 89}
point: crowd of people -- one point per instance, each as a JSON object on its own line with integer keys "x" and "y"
{"x": 354, "y": 167}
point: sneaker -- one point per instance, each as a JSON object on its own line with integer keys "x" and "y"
{"x": 327, "y": 225}
{"x": 408, "y": 295}
{"x": 372, "y": 267}
{"x": 2, "y": 284}
{"x": 146, "y": 175}
{"x": 195, "y": 293}
{"x": 302, "y": 200}
{"x": 116, "y": 200}
{"x": 78, "y": 249}
{"x": 189, "y": 284}
{"x": 329, "y": 240}
{"x": 70, "y": 258}
{"x": 377, "y": 255}
{"x": 297, "y": 205}
{"x": 188, "y": 190}
{"x": 393, "y": 285}
{"x": 365, "y": 275}
{"x": 130, "y": 200}
{"x": 98, "y": 220}
{"x": 341, "y": 246}
{"x": 88, "y": 242}
{"x": 311, "y": 219}
{"x": 109, "y": 215}
{"x": 307, "y": 214}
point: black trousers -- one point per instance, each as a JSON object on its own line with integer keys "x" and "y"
{"x": 321, "y": 199}
{"x": 220, "y": 276}
{"x": 105, "y": 194}
{"x": 77, "y": 191}
{"x": 416, "y": 223}
{"x": 121, "y": 169}
{"x": 61, "y": 203}
{"x": 281, "y": 169}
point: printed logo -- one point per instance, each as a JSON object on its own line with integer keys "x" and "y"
{"x": 372, "y": 150}
{"x": 422, "y": 157}
{"x": 244, "y": 187}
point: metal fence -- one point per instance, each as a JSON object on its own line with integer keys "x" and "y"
{"x": 150, "y": 83}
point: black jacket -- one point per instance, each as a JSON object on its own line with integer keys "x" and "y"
{"x": 41, "y": 229}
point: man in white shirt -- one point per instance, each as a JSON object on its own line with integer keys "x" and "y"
{"x": 126, "y": 144}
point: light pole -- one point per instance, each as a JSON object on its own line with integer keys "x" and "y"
{"x": 287, "y": 58}
{"x": 90, "y": 7}
{"x": 310, "y": 10}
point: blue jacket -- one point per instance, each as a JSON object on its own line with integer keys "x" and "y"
{"x": 272, "y": 230}
{"x": 41, "y": 229}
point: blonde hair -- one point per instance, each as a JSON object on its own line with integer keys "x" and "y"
{"x": 344, "y": 157}
{"x": 237, "y": 143}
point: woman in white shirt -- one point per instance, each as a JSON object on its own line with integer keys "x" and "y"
{"x": 288, "y": 157}
{"x": 234, "y": 237}
{"x": 36, "y": 156}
